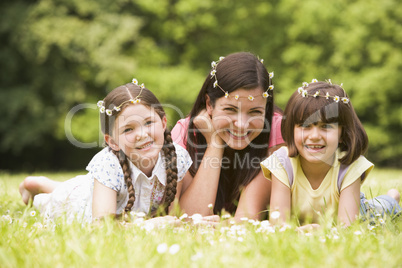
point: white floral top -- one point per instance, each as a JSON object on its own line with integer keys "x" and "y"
{"x": 74, "y": 196}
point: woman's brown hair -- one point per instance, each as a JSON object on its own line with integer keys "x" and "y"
{"x": 309, "y": 110}
{"x": 121, "y": 95}
{"x": 241, "y": 70}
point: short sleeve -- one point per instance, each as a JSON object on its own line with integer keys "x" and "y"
{"x": 275, "y": 137}
{"x": 358, "y": 169}
{"x": 273, "y": 165}
{"x": 184, "y": 161}
{"x": 179, "y": 132}
{"x": 105, "y": 168}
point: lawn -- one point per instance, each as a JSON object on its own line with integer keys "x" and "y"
{"x": 28, "y": 240}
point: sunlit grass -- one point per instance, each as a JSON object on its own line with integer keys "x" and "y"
{"x": 28, "y": 240}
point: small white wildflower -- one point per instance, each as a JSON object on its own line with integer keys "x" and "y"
{"x": 262, "y": 61}
{"x": 100, "y": 103}
{"x": 232, "y": 222}
{"x": 271, "y": 75}
{"x": 275, "y": 215}
{"x": 316, "y": 94}
{"x": 251, "y": 98}
{"x": 210, "y": 206}
{"x": 308, "y": 234}
{"x": 226, "y": 94}
{"x": 162, "y": 248}
{"x": 336, "y": 98}
{"x": 305, "y": 84}
{"x": 335, "y": 237}
{"x": 327, "y": 95}
{"x": 304, "y": 93}
{"x": 314, "y": 81}
{"x": 215, "y": 84}
{"x": 345, "y": 100}
{"x": 244, "y": 219}
{"x": 140, "y": 214}
{"x": 213, "y": 64}
{"x": 102, "y": 109}
{"x": 221, "y": 58}
{"x": 135, "y": 81}
{"x": 236, "y": 97}
{"x": 370, "y": 227}
{"x": 174, "y": 249}
{"x": 226, "y": 216}
{"x": 381, "y": 221}
{"x": 213, "y": 72}
{"x": 264, "y": 95}
{"x": 184, "y": 216}
{"x": 240, "y": 239}
{"x": 142, "y": 85}
{"x": 109, "y": 112}
{"x": 271, "y": 87}
{"x": 33, "y": 213}
{"x": 300, "y": 90}
{"x": 357, "y": 232}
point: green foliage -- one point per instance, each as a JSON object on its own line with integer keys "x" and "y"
{"x": 55, "y": 54}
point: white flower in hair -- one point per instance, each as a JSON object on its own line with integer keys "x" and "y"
{"x": 304, "y": 93}
{"x": 265, "y": 94}
{"x": 327, "y": 96}
{"x": 221, "y": 58}
{"x": 262, "y": 61}
{"x": 300, "y": 90}
{"x": 305, "y": 84}
{"x": 316, "y": 94}
{"x": 271, "y": 87}
{"x": 109, "y": 112}
{"x": 102, "y": 109}
{"x": 117, "y": 109}
{"x": 100, "y": 103}
{"x": 251, "y": 98}
{"x": 213, "y": 72}
{"x": 236, "y": 97}
{"x": 271, "y": 75}
{"x": 336, "y": 98}
{"x": 135, "y": 81}
{"x": 215, "y": 83}
{"x": 213, "y": 64}
{"x": 142, "y": 85}
{"x": 226, "y": 94}
{"x": 314, "y": 81}
{"x": 345, "y": 100}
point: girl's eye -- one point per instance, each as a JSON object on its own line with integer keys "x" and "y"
{"x": 127, "y": 130}
{"x": 148, "y": 122}
{"x": 230, "y": 110}
{"x": 327, "y": 126}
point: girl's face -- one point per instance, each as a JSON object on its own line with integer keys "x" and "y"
{"x": 238, "y": 122}
{"x": 139, "y": 133}
{"x": 317, "y": 143}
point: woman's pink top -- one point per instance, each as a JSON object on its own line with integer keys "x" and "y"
{"x": 179, "y": 132}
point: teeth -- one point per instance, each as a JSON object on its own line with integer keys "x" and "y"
{"x": 145, "y": 146}
{"x": 238, "y": 134}
{"x": 315, "y": 146}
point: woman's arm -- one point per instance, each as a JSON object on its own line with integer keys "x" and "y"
{"x": 349, "y": 203}
{"x": 200, "y": 191}
{"x": 254, "y": 198}
{"x": 104, "y": 201}
{"x": 280, "y": 201}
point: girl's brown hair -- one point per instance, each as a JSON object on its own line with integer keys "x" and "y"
{"x": 240, "y": 70}
{"x": 114, "y": 99}
{"x": 309, "y": 110}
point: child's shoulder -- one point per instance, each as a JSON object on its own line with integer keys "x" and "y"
{"x": 102, "y": 158}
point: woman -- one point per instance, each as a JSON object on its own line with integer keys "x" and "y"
{"x": 230, "y": 130}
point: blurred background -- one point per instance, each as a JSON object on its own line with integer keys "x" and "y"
{"x": 59, "y": 57}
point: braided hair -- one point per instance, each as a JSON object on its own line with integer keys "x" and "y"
{"x": 114, "y": 99}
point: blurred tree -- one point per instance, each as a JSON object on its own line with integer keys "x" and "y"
{"x": 56, "y": 54}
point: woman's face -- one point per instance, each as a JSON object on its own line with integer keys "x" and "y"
{"x": 237, "y": 119}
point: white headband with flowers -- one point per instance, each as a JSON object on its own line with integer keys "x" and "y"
{"x": 109, "y": 112}
{"x": 303, "y": 92}
{"x": 265, "y": 95}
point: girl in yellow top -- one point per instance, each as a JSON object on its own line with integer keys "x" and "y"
{"x": 321, "y": 169}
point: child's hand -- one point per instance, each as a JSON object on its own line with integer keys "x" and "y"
{"x": 158, "y": 221}
{"x": 203, "y": 122}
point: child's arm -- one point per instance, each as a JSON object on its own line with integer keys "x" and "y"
{"x": 104, "y": 201}
{"x": 349, "y": 203}
{"x": 280, "y": 201}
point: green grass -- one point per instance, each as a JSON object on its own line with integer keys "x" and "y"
{"x": 29, "y": 241}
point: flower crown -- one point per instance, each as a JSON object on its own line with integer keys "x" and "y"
{"x": 109, "y": 112}
{"x": 265, "y": 95}
{"x": 303, "y": 92}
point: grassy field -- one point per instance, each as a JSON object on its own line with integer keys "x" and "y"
{"x": 27, "y": 240}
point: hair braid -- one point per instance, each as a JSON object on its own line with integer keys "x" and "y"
{"x": 170, "y": 159}
{"x": 127, "y": 178}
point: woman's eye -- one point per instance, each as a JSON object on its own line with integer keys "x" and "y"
{"x": 230, "y": 110}
{"x": 256, "y": 112}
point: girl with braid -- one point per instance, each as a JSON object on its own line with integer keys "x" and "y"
{"x": 139, "y": 170}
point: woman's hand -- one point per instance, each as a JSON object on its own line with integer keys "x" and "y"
{"x": 203, "y": 123}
